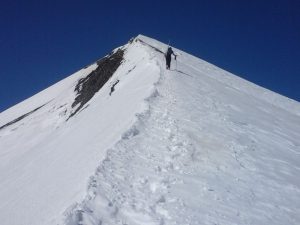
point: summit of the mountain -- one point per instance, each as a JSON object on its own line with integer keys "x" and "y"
{"x": 125, "y": 141}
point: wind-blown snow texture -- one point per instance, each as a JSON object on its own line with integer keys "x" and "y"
{"x": 194, "y": 145}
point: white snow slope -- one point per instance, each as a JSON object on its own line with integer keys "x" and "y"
{"x": 194, "y": 145}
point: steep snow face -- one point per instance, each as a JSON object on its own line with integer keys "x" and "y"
{"x": 47, "y": 157}
{"x": 193, "y": 145}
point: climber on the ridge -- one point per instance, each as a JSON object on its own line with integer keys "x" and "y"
{"x": 168, "y": 55}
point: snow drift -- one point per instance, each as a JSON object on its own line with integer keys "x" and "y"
{"x": 124, "y": 141}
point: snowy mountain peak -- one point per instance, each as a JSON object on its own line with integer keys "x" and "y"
{"x": 125, "y": 141}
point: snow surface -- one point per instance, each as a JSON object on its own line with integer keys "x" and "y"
{"x": 194, "y": 145}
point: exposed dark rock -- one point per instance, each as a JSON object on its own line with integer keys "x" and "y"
{"x": 112, "y": 89}
{"x": 129, "y": 71}
{"x": 87, "y": 87}
{"x": 131, "y": 40}
{"x": 20, "y": 118}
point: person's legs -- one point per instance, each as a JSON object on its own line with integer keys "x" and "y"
{"x": 168, "y": 61}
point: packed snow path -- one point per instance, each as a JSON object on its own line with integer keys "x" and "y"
{"x": 209, "y": 150}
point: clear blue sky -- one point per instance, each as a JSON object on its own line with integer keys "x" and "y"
{"x": 42, "y": 42}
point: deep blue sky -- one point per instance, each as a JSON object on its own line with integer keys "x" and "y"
{"x": 42, "y": 42}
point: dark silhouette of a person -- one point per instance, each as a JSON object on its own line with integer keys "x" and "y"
{"x": 168, "y": 56}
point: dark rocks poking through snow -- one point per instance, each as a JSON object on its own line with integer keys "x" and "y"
{"x": 112, "y": 89}
{"x": 87, "y": 87}
{"x": 20, "y": 118}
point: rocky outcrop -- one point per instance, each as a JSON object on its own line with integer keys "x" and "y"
{"x": 87, "y": 87}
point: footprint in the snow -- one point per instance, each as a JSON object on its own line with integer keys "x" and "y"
{"x": 130, "y": 133}
{"x": 175, "y": 156}
{"x": 179, "y": 144}
{"x": 172, "y": 137}
{"x": 169, "y": 166}
{"x": 161, "y": 200}
{"x": 158, "y": 169}
{"x": 171, "y": 149}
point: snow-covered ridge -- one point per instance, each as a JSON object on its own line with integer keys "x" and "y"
{"x": 231, "y": 80}
{"x": 193, "y": 145}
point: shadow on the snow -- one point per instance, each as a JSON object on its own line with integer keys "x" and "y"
{"x": 155, "y": 48}
{"x": 179, "y": 71}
